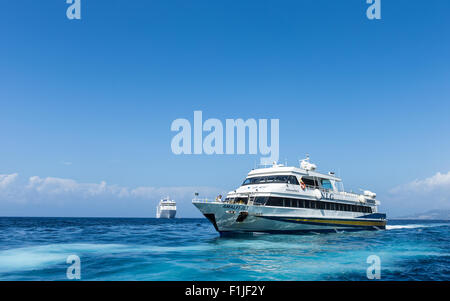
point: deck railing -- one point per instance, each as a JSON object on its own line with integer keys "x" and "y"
{"x": 312, "y": 187}
{"x": 309, "y": 187}
{"x": 206, "y": 200}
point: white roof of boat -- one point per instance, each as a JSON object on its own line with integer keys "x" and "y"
{"x": 280, "y": 169}
{"x": 167, "y": 200}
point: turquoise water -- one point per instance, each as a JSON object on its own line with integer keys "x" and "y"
{"x": 190, "y": 249}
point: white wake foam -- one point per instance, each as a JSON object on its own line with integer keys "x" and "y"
{"x": 37, "y": 257}
{"x": 412, "y": 226}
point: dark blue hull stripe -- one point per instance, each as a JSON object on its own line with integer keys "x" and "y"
{"x": 374, "y": 216}
{"x": 347, "y": 223}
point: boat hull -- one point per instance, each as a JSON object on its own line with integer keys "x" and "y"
{"x": 166, "y": 214}
{"x": 229, "y": 218}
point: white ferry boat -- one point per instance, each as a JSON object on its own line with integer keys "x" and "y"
{"x": 166, "y": 208}
{"x": 282, "y": 199}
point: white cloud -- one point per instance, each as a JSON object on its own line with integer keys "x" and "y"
{"x": 7, "y": 180}
{"x": 45, "y": 189}
{"x": 51, "y": 196}
{"x": 64, "y": 187}
{"x": 422, "y": 195}
{"x": 437, "y": 182}
{"x": 59, "y": 186}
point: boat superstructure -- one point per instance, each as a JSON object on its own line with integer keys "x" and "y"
{"x": 166, "y": 208}
{"x": 293, "y": 199}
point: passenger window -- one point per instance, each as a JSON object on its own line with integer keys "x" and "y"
{"x": 275, "y": 202}
{"x": 326, "y": 184}
{"x": 293, "y": 180}
{"x": 260, "y": 200}
{"x": 281, "y": 179}
{"x": 249, "y": 181}
{"x": 262, "y": 180}
{"x": 309, "y": 182}
{"x": 270, "y": 179}
{"x": 241, "y": 200}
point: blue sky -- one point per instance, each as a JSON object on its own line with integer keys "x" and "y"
{"x": 92, "y": 100}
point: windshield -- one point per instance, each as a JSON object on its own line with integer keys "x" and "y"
{"x": 271, "y": 179}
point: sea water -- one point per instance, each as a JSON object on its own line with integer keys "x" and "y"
{"x": 190, "y": 249}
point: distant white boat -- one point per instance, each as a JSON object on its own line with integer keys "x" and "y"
{"x": 166, "y": 208}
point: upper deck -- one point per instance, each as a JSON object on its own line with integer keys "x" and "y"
{"x": 167, "y": 202}
{"x": 301, "y": 181}
{"x": 283, "y": 170}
